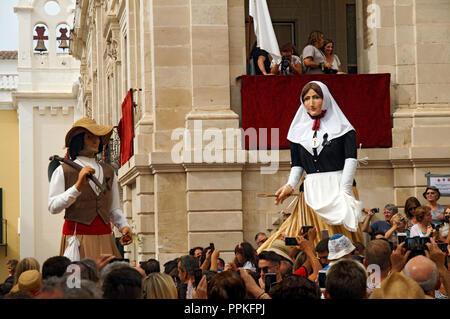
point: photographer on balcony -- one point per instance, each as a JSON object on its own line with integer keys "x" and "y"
{"x": 290, "y": 62}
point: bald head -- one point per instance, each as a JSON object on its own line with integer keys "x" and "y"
{"x": 423, "y": 271}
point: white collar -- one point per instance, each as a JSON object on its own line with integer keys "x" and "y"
{"x": 334, "y": 123}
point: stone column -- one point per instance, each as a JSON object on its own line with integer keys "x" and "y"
{"x": 214, "y": 191}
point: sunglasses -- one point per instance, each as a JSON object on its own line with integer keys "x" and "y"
{"x": 265, "y": 269}
{"x": 412, "y": 208}
{"x": 431, "y": 193}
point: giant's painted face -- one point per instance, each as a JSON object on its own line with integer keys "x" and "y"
{"x": 313, "y": 103}
{"x": 91, "y": 144}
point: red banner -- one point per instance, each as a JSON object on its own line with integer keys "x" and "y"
{"x": 272, "y": 102}
{"x": 126, "y": 129}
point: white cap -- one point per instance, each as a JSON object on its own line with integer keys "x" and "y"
{"x": 339, "y": 246}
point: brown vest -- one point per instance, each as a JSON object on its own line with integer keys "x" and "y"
{"x": 88, "y": 204}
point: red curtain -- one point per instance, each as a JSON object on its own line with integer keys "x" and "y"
{"x": 272, "y": 102}
{"x": 126, "y": 129}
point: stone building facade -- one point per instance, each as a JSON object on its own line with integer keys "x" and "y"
{"x": 184, "y": 57}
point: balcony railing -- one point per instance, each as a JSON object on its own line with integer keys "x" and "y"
{"x": 8, "y": 81}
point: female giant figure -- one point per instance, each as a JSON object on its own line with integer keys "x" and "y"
{"x": 323, "y": 144}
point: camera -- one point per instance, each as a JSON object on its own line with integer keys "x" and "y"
{"x": 417, "y": 243}
{"x": 401, "y": 237}
{"x": 211, "y": 246}
{"x": 375, "y": 210}
{"x": 270, "y": 279}
{"x": 290, "y": 241}
{"x": 285, "y": 60}
{"x": 447, "y": 219}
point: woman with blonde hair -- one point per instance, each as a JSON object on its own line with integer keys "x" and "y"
{"x": 159, "y": 286}
{"x": 314, "y": 59}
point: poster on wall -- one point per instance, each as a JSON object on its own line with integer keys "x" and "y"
{"x": 442, "y": 182}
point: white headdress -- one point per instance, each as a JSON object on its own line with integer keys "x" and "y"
{"x": 334, "y": 123}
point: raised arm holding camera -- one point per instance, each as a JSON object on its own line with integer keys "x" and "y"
{"x": 381, "y": 225}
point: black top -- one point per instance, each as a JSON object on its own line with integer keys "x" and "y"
{"x": 257, "y": 52}
{"x": 331, "y": 158}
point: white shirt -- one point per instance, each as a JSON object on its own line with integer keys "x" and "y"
{"x": 249, "y": 265}
{"x": 416, "y": 231}
{"x": 336, "y": 63}
{"x": 59, "y": 198}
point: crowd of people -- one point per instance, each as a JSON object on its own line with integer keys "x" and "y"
{"x": 388, "y": 267}
{"x": 317, "y": 57}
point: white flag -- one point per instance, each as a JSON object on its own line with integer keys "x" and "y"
{"x": 265, "y": 36}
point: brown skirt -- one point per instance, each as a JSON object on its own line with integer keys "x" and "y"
{"x": 92, "y": 246}
{"x": 303, "y": 215}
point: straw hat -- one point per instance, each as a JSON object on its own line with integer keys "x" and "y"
{"x": 280, "y": 248}
{"x": 398, "y": 286}
{"x": 30, "y": 281}
{"x": 339, "y": 246}
{"x": 86, "y": 123}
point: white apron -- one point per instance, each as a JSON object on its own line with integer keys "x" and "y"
{"x": 324, "y": 196}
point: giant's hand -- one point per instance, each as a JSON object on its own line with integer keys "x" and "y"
{"x": 82, "y": 177}
{"x": 283, "y": 193}
{"x": 126, "y": 237}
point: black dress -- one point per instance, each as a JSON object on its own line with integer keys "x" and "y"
{"x": 331, "y": 158}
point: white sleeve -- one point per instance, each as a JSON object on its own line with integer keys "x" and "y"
{"x": 116, "y": 215}
{"x": 347, "y": 175}
{"x": 338, "y": 62}
{"x": 295, "y": 175}
{"x": 59, "y": 198}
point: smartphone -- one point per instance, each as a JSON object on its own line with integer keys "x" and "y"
{"x": 305, "y": 231}
{"x": 290, "y": 241}
{"x": 325, "y": 234}
{"x": 322, "y": 278}
{"x": 211, "y": 246}
{"x": 271, "y": 278}
{"x": 401, "y": 237}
